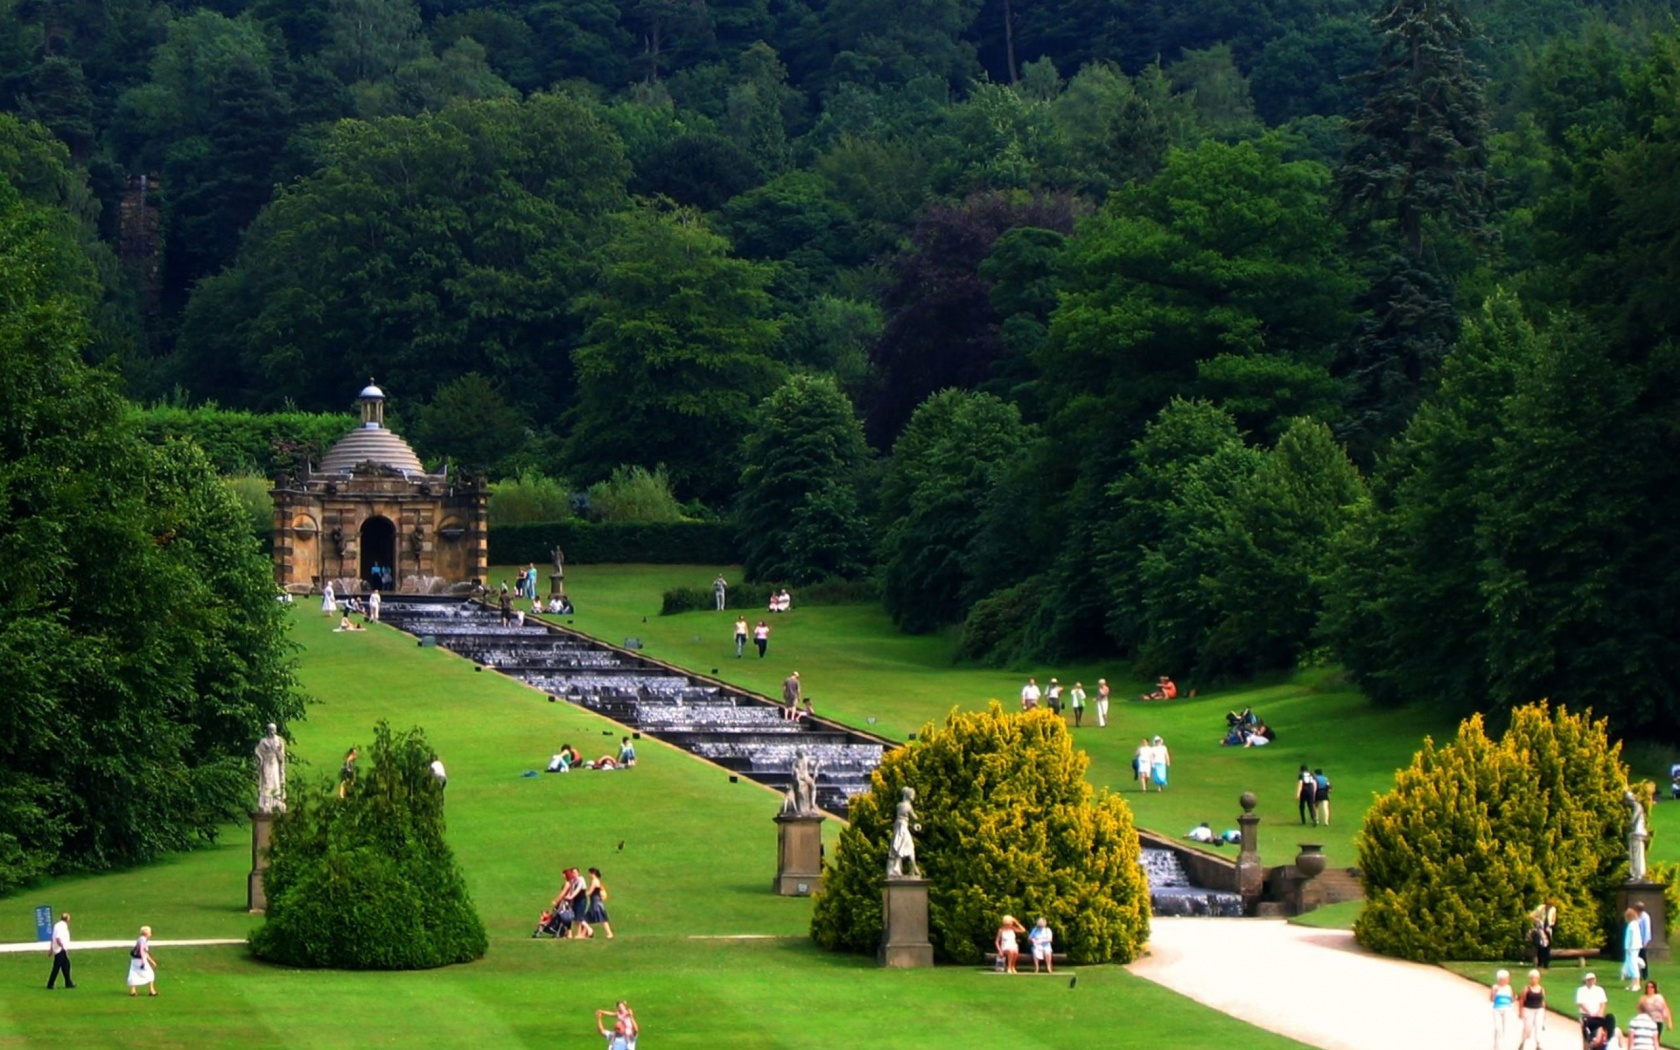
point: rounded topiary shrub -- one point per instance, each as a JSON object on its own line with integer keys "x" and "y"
{"x": 1476, "y": 834}
{"x": 366, "y": 881}
{"x": 1010, "y": 826}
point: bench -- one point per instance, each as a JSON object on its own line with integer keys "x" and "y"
{"x": 1580, "y": 955}
{"x": 1025, "y": 959}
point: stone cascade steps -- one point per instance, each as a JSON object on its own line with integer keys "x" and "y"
{"x": 1171, "y": 892}
{"x": 740, "y": 731}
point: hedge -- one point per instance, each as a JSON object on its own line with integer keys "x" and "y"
{"x": 598, "y": 543}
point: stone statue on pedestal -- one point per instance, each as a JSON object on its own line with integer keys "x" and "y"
{"x": 271, "y": 772}
{"x": 802, "y": 797}
{"x": 902, "y": 849}
{"x": 1638, "y": 836}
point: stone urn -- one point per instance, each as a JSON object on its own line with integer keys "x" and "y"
{"x": 1310, "y": 861}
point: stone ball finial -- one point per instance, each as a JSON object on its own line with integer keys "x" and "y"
{"x": 1248, "y": 801}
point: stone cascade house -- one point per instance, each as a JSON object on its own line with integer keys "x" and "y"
{"x": 370, "y": 505}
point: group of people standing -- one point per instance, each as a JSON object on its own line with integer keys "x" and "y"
{"x": 1312, "y": 796}
{"x": 1076, "y": 699}
{"x": 142, "y": 967}
{"x": 1151, "y": 764}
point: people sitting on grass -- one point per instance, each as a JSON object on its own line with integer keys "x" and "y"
{"x": 344, "y": 624}
{"x": 1165, "y": 689}
{"x": 806, "y": 710}
{"x": 1259, "y": 736}
{"x": 780, "y": 601}
{"x": 626, "y": 753}
{"x": 564, "y": 760}
{"x": 1201, "y": 833}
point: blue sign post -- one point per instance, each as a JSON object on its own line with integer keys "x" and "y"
{"x": 43, "y": 922}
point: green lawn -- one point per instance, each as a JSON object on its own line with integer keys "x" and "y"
{"x": 857, "y": 667}
{"x": 708, "y": 955}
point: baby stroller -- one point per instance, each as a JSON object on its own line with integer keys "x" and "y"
{"x": 554, "y": 921}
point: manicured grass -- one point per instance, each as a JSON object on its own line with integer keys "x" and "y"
{"x": 857, "y": 667}
{"x": 1331, "y": 916}
{"x": 697, "y": 862}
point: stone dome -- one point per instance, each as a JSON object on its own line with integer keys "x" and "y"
{"x": 370, "y": 443}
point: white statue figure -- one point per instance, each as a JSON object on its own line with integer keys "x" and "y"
{"x": 271, "y": 772}
{"x": 802, "y": 798}
{"x": 1637, "y": 838}
{"x": 901, "y": 851}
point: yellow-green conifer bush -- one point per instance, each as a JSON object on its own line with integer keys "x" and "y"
{"x": 1476, "y": 833}
{"x": 1009, "y": 826}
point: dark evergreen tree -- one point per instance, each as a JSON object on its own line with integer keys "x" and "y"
{"x": 1414, "y": 189}
{"x": 798, "y": 510}
{"x": 366, "y": 880}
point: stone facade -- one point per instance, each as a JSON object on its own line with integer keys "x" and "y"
{"x": 370, "y": 502}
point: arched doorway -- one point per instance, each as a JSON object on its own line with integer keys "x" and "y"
{"x": 379, "y": 548}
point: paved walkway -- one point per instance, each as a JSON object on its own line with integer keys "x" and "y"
{"x": 1319, "y": 987}
{"x": 81, "y": 946}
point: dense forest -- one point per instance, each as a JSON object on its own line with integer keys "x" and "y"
{"x": 1220, "y": 337}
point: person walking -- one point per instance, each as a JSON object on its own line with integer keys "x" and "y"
{"x": 1532, "y": 1007}
{"x": 761, "y": 637}
{"x": 1543, "y": 922}
{"x": 596, "y": 912}
{"x": 1102, "y": 703}
{"x": 1633, "y": 944}
{"x": 1653, "y": 1003}
{"x": 1306, "y": 795}
{"x": 373, "y": 607}
{"x": 329, "y": 602}
{"x": 142, "y": 968}
{"x": 740, "y": 636}
{"x": 1644, "y": 938}
{"x": 1321, "y": 795}
{"x": 1143, "y": 762}
{"x": 506, "y": 606}
{"x": 1162, "y": 764}
{"x": 1053, "y": 697}
{"x": 1076, "y": 701}
{"x": 60, "y": 949}
{"x": 720, "y": 591}
{"x": 1030, "y": 694}
{"x": 790, "y": 696}
{"x": 1643, "y": 1032}
{"x": 1504, "y": 999}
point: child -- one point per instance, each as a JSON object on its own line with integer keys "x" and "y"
{"x": 1042, "y": 949}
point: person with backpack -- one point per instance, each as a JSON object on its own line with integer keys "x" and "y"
{"x": 1306, "y": 796}
{"x": 1321, "y": 792}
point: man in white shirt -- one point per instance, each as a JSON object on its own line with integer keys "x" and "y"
{"x": 61, "y": 952}
{"x": 1644, "y": 940}
{"x": 1591, "y": 1002}
{"x": 1030, "y": 694}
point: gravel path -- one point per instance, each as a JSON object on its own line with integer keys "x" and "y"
{"x": 1319, "y": 987}
{"x": 81, "y": 946}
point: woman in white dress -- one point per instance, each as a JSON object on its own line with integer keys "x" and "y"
{"x": 1008, "y": 948}
{"x": 329, "y": 604}
{"x": 142, "y": 968}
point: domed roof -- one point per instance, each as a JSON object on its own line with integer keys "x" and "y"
{"x": 370, "y": 442}
{"x": 372, "y": 391}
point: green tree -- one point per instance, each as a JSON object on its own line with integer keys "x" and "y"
{"x": 1415, "y": 176}
{"x": 1011, "y": 827}
{"x": 798, "y": 505}
{"x": 679, "y": 349}
{"x": 422, "y": 249}
{"x": 1226, "y": 252}
{"x": 1475, "y": 834}
{"x": 366, "y": 880}
{"x": 470, "y": 421}
{"x": 943, "y": 470}
{"x": 1406, "y": 610}
{"x": 143, "y": 644}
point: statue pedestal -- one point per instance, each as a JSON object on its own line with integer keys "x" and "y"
{"x": 799, "y": 854}
{"x": 1649, "y": 894}
{"x": 256, "y": 898}
{"x": 556, "y": 585}
{"x": 904, "y": 925}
